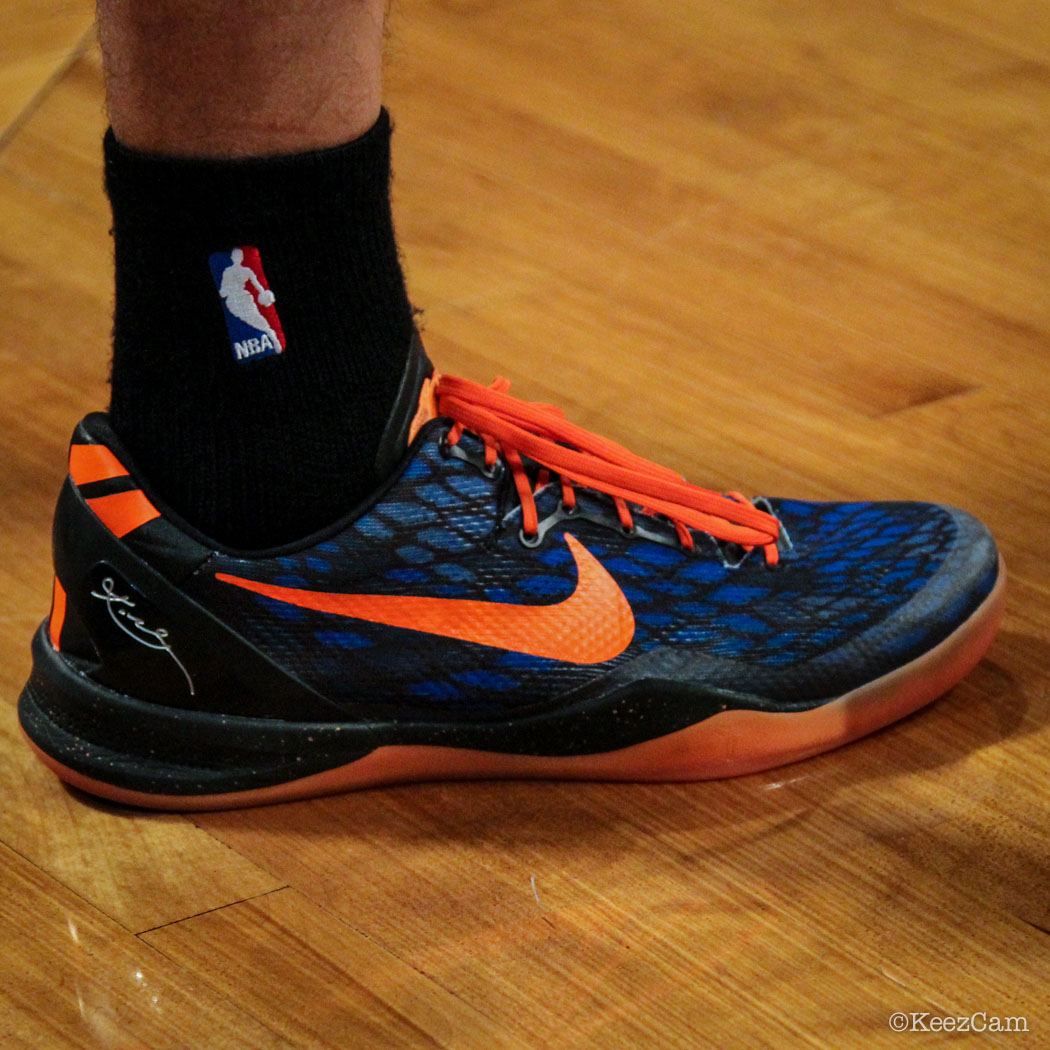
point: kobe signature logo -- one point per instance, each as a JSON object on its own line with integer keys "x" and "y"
{"x": 119, "y": 608}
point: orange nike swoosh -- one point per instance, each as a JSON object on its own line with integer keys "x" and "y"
{"x": 594, "y": 624}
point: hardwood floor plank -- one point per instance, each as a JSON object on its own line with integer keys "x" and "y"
{"x": 39, "y": 38}
{"x": 142, "y": 871}
{"x": 452, "y": 892}
{"x": 72, "y": 979}
{"x": 319, "y": 983}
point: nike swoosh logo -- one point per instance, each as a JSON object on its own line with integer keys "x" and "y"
{"x": 594, "y": 624}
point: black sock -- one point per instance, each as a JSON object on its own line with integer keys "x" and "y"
{"x": 253, "y": 443}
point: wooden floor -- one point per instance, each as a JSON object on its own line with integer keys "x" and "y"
{"x": 791, "y": 246}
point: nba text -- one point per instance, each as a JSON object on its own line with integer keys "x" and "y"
{"x": 253, "y": 347}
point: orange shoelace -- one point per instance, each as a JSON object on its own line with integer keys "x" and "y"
{"x": 513, "y": 428}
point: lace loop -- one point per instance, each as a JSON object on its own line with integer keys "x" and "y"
{"x": 515, "y": 428}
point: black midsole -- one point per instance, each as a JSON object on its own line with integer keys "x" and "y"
{"x": 141, "y": 746}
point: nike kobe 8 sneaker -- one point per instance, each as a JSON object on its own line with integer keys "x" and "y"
{"x": 521, "y": 598}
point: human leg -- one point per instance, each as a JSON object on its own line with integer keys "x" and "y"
{"x": 255, "y": 128}
{"x": 207, "y": 78}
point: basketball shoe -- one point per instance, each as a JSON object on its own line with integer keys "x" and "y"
{"x": 521, "y": 598}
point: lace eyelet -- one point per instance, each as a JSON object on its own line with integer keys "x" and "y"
{"x": 529, "y": 541}
{"x": 493, "y": 472}
{"x": 566, "y": 511}
{"x": 630, "y": 533}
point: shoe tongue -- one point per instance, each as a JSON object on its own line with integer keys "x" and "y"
{"x": 413, "y": 406}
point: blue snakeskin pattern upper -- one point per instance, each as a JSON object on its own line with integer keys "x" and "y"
{"x": 443, "y": 530}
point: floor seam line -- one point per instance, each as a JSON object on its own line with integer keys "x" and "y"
{"x": 38, "y": 98}
{"x": 209, "y": 911}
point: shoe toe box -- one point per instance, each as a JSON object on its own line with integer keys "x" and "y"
{"x": 862, "y": 589}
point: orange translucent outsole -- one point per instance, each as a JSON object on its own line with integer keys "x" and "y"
{"x": 729, "y": 744}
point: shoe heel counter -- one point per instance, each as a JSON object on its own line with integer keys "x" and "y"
{"x": 101, "y": 618}
{"x": 89, "y": 463}
{"x": 119, "y": 613}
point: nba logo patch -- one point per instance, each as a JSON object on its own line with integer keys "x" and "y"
{"x": 247, "y": 304}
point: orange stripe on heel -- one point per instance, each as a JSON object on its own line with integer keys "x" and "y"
{"x": 123, "y": 511}
{"x": 58, "y": 615}
{"x": 88, "y": 463}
